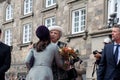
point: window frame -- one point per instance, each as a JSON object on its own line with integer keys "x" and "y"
{"x": 8, "y": 37}
{"x": 113, "y": 7}
{"x": 28, "y": 7}
{"x": 9, "y": 12}
{"x": 27, "y": 33}
{"x": 80, "y": 26}
{"x": 51, "y": 21}
{"x": 52, "y": 2}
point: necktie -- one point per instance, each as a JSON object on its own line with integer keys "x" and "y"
{"x": 116, "y": 53}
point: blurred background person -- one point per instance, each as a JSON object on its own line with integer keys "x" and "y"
{"x": 97, "y": 54}
{"x": 80, "y": 68}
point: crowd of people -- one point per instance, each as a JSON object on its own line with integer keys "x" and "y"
{"x": 44, "y": 61}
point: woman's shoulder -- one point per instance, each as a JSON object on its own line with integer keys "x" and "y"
{"x": 52, "y": 45}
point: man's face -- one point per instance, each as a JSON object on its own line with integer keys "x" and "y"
{"x": 116, "y": 34}
{"x": 54, "y": 35}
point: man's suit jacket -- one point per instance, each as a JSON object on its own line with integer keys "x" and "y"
{"x": 5, "y": 59}
{"x": 59, "y": 74}
{"x": 107, "y": 67}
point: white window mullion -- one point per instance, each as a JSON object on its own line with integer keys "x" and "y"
{"x": 53, "y": 21}
{"x": 114, "y": 7}
{"x": 82, "y": 20}
{"x": 50, "y": 3}
{"x": 24, "y": 34}
{"x": 28, "y": 6}
{"x": 9, "y": 41}
{"x": 8, "y": 37}
{"x": 9, "y": 12}
{"x": 27, "y": 33}
{"x": 78, "y": 21}
{"x": 50, "y": 21}
{"x": 111, "y": 7}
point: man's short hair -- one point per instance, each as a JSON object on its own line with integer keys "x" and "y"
{"x": 117, "y": 26}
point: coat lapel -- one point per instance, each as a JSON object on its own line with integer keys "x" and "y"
{"x": 112, "y": 53}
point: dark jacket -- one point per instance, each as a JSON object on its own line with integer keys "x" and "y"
{"x": 59, "y": 74}
{"x": 108, "y": 69}
{"x": 5, "y": 59}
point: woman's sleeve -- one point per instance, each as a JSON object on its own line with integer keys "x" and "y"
{"x": 29, "y": 55}
{"x": 58, "y": 58}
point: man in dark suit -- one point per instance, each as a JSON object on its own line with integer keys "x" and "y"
{"x": 5, "y": 58}
{"x": 109, "y": 66}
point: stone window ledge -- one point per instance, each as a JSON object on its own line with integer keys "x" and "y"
{"x": 50, "y": 8}
{"x": 72, "y": 1}
{"x": 75, "y": 35}
{"x": 100, "y": 32}
{"x": 27, "y": 15}
{"x": 8, "y": 21}
{"x": 82, "y": 35}
{"x": 23, "y": 45}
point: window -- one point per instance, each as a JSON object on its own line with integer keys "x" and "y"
{"x": 9, "y": 12}
{"x": 50, "y": 3}
{"x": 27, "y": 6}
{"x": 8, "y": 37}
{"x": 114, "y": 7}
{"x": 27, "y": 33}
{"x": 78, "y": 21}
{"x": 50, "y": 21}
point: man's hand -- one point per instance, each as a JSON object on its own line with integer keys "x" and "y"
{"x": 97, "y": 56}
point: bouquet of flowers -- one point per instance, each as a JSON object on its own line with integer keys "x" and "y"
{"x": 70, "y": 56}
{"x": 68, "y": 53}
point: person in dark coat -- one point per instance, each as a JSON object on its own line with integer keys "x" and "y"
{"x": 5, "y": 58}
{"x": 109, "y": 66}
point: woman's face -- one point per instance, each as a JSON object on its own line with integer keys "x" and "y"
{"x": 54, "y": 35}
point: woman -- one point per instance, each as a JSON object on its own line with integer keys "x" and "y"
{"x": 44, "y": 52}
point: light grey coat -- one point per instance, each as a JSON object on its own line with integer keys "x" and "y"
{"x": 41, "y": 69}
